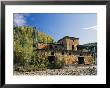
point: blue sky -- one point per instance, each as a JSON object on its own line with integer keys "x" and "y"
{"x": 80, "y": 25}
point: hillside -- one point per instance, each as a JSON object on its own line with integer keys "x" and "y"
{"x": 91, "y": 44}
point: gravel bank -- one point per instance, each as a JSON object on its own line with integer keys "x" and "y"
{"x": 67, "y": 70}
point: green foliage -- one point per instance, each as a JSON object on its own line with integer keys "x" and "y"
{"x": 57, "y": 64}
{"x": 24, "y": 40}
{"x": 42, "y": 37}
{"x": 23, "y": 45}
{"x": 39, "y": 61}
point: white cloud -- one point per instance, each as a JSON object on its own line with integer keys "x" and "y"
{"x": 90, "y": 28}
{"x": 19, "y": 19}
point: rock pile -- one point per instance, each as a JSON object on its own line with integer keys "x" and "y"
{"x": 67, "y": 70}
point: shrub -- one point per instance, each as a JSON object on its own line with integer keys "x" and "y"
{"x": 57, "y": 64}
{"x": 38, "y": 61}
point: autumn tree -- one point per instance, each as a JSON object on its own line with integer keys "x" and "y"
{"x": 25, "y": 38}
{"x": 23, "y": 45}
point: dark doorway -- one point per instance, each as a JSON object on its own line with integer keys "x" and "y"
{"x": 55, "y": 46}
{"x": 51, "y": 47}
{"x": 51, "y": 58}
{"x": 80, "y": 60}
{"x": 69, "y": 53}
{"x": 72, "y": 47}
{"x": 52, "y": 53}
{"x": 62, "y": 53}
